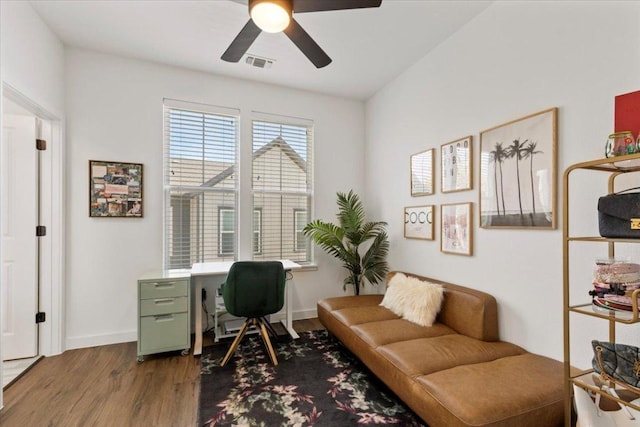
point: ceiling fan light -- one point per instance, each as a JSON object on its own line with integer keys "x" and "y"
{"x": 270, "y": 16}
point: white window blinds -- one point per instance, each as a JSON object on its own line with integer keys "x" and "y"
{"x": 282, "y": 188}
{"x": 200, "y": 185}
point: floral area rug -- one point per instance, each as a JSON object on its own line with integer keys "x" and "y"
{"x": 317, "y": 382}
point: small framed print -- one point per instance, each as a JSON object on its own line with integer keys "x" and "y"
{"x": 422, "y": 173}
{"x": 456, "y": 163}
{"x": 115, "y": 189}
{"x": 456, "y": 228}
{"x": 418, "y": 222}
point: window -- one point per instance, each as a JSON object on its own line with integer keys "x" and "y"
{"x": 203, "y": 192}
{"x": 282, "y": 186}
{"x": 227, "y": 232}
{"x": 200, "y": 184}
{"x": 300, "y": 219}
{"x": 257, "y": 231}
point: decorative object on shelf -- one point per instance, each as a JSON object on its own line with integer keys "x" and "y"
{"x": 456, "y": 228}
{"x": 627, "y": 113}
{"x": 115, "y": 189}
{"x": 456, "y": 160}
{"x": 619, "y": 214}
{"x": 422, "y": 173}
{"x": 619, "y": 363}
{"x": 418, "y": 222}
{"x": 613, "y": 284}
{"x": 620, "y": 144}
{"x": 518, "y": 173}
{"x": 343, "y": 242}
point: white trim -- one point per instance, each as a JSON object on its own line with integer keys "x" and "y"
{"x": 102, "y": 339}
{"x": 52, "y": 279}
{"x": 201, "y": 108}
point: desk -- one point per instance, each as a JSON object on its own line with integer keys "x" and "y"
{"x": 204, "y": 269}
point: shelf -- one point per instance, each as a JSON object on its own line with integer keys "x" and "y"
{"x": 626, "y": 317}
{"x": 585, "y": 380}
{"x": 601, "y": 240}
{"x": 615, "y": 167}
{"x": 621, "y": 164}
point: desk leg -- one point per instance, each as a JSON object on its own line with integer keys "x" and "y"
{"x": 288, "y": 322}
{"x": 197, "y": 347}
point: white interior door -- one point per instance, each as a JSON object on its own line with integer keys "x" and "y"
{"x": 19, "y": 256}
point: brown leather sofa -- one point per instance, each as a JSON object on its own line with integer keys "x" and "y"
{"x": 456, "y": 372}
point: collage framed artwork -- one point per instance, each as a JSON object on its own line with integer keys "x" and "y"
{"x": 422, "y": 165}
{"x": 518, "y": 173}
{"x": 115, "y": 189}
{"x": 418, "y": 222}
{"x": 456, "y": 228}
{"x": 456, "y": 165}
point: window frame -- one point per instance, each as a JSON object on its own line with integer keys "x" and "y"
{"x": 199, "y": 247}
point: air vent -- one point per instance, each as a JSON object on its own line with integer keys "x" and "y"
{"x": 256, "y": 61}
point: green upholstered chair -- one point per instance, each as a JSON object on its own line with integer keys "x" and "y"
{"x": 254, "y": 289}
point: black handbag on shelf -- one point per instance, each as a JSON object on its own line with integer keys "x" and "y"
{"x": 619, "y": 363}
{"x": 619, "y": 214}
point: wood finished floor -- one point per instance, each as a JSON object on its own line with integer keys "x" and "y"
{"x": 104, "y": 386}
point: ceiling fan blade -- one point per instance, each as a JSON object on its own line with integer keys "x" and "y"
{"x": 306, "y": 44}
{"x": 242, "y": 42}
{"x": 300, "y": 6}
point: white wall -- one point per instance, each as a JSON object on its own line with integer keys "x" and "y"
{"x": 514, "y": 59}
{"x": 32, "y": 57}
{"x": 32, "y": 66}
{"x": 114, "y": 107}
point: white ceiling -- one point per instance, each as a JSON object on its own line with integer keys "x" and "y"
{"x": 369, "y": 47}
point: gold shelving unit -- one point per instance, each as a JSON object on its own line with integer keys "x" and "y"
{"x": 614, "y": 167}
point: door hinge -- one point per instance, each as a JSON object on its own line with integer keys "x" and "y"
{"x": 41, "y": 144}
{"x": 41, "y": 230}
{"x": 41, "y": 316}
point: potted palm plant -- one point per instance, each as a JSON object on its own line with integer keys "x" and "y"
{"x": 345, "y": 240}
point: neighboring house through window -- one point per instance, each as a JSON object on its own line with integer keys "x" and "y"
{"x": 202, "y": 187}
{"x": 282, "y": 183}
{"x": 200, "y": 184}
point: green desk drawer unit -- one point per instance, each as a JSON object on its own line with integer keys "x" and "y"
{"x": 164, "y": 312}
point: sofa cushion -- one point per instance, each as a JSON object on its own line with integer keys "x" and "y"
{"x": 426, "y": 355}
{"x": 415, "y": 300}
{"x": 357, "y": 315}
{"x": 524, "y": 390}
{"x": 468, "y": 311}
{"x": 336, "y": 303}
{"x": 390, "y": 331}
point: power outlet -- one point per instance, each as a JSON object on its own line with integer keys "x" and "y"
{"x": 204, "y": 294}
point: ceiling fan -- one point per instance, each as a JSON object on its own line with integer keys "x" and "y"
{"x": 274, "y": 16}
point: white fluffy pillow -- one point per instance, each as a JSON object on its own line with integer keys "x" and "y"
{"x": 413, "y": 299}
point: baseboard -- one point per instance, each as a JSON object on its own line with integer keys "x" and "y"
{"x": 297, "y": 315}
{"x": 97, "y": 340}
{"x": 117, "y": 338}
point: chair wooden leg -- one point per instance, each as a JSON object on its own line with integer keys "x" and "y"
{"x": 267, "y": 343}
{"x": 270, "y": 328}
{"x": 235, "y": 343}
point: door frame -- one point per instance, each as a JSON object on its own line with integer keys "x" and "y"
{"x": 52, "y": 254}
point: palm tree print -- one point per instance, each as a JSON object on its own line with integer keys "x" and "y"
{"x": 497, "y": 156}
{"x": 516, "y": 150}
{"x": 529, "y": 152}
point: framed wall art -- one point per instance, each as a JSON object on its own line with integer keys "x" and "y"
{"x": 456, "y": 228}
{"x": 456, "y": 162}
{"x": 115, "y": 189}
{"x": 418, "y": 222}
{"x": 518, "y": 173}
{"x": 422, "y": 173}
